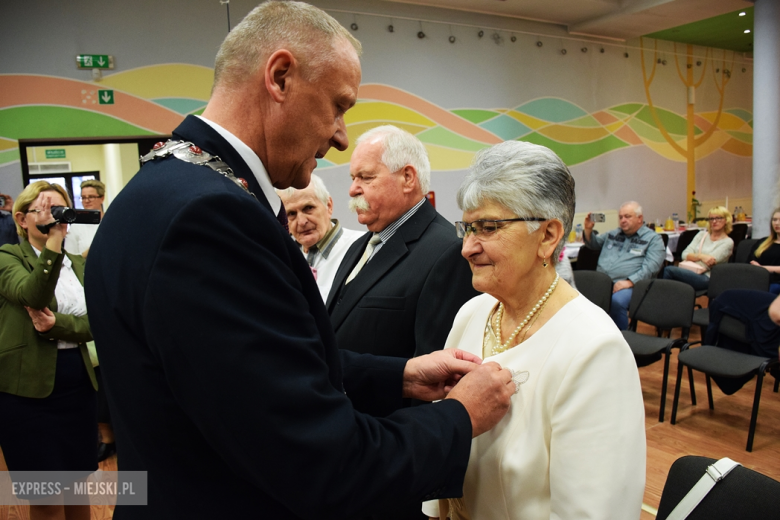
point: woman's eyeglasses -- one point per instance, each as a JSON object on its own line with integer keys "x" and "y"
{"x": 716, "y": 219}
{"x": 486, "y": 227}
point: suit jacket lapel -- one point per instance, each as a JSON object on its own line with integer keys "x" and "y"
{"x": 30, "y": 257}
{"x": 391, "y": 253}
{"x": 348, "y": 263}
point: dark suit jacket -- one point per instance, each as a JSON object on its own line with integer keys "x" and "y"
{"x": 403, "y": 302}
{"x": 28, "y": 360}
{"x": 223, "y": 376}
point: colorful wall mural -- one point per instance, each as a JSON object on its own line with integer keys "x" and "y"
{"x": 153, "y": 100}
{"x": 619, "y": 128}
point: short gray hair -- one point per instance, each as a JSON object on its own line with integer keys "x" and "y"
{"x": 399, "y": 149}
{"x": 306, "y": 31}
{"x": 320, "y": 191}
{"x": 528, "y": 179}
{"x": 637, "y": 207}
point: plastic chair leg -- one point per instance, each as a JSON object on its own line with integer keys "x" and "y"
{"x": 677, "y": 392}
{"x": 663, "y": 386}
{"x": 709, "y": 392}
{"x": 754, "y": 415}
{"x": 777, "y": 384}
{"x": 693, "y": 390}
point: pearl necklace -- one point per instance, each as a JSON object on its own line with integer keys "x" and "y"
{"x": 500, "y": 314}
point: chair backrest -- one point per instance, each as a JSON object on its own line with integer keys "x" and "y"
{"x": 685, "y": 239}
{"x": 737, "y": 276}
{"x": 668, "y": 304}
{"x": 588, "y": 259}
{"x": 595, "y": 286}
{"x": 665, "y": 238}
{"x": 744, "y": 493}
{"x": 738, "y": 234}
{"x": 743, "y": 249}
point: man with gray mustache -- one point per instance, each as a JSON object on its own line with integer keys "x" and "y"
{"x": 399, "y": 287}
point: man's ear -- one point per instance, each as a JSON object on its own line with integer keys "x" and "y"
{"x": 278, "y": 72}
{"x": 411, "y": 181}
{"x": 330, "y": 206}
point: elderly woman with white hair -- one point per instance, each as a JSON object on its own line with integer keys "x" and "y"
{"x": 573, "y": 443}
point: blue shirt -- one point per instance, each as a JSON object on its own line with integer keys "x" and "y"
{"x": 636, "y": 257}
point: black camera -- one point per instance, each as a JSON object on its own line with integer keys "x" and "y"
{"x": 66, "y": 215}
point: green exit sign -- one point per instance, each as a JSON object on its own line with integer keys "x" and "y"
{"x": 105, "y": 97}
{"x": 55, "y": 153}
{"x": 95, "y": 61}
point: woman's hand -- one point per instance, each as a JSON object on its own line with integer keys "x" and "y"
{"x": 57, "y": 232}
{"x": 43, "y": 320}
{"x": 707, "y": 259}
{"x": 767, "y": 267}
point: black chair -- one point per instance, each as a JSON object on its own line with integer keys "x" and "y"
{"x": 596, "y": 287}
{"x": 665, "y": 238}
{"x": 742, "y": 251}
{"x": 720, "y": 362}
{"x": 743, "y": 493}
{"x": 730, "y": 276}
{"x": 587, "y": 259}
{"x": 664, "y": 304}
{"x": 738, "y": 234}
{"x": 684, "y": 241}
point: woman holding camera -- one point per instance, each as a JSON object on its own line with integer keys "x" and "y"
{"x": 47, "y": 385}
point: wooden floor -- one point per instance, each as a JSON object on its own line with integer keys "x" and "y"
{"x": 719, "y": 433}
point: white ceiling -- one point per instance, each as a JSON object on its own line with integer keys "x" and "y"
{"x": 614, "y": 19}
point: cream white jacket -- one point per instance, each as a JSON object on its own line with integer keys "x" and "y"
{"x": 573, "y": 443}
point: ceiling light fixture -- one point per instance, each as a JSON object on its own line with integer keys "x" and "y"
{"x": 747, "y": 31}
{"x": 743, "y": 13}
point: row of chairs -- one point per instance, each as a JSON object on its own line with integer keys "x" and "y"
{"x": 669, "y": 304}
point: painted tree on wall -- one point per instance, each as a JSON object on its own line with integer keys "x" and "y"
{"x": 721, "y": 76}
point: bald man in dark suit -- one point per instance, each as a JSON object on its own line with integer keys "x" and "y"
{"x": 222, "y": 372}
